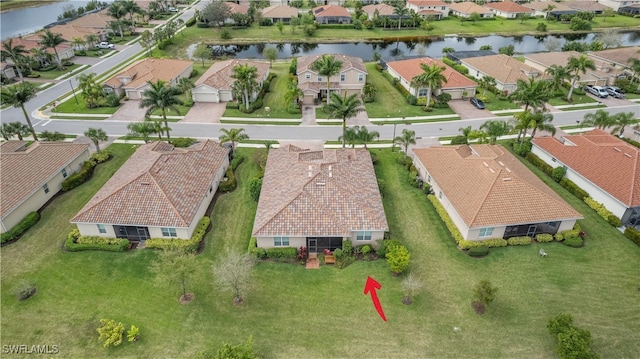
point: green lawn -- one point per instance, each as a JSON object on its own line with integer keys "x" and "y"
{"x": 293, "y": 312}
{"x": 50, "y": 75}
{"x": 70, "y": 106}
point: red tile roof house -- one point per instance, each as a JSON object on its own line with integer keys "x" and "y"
{"x": 277, "y": 13}
{"x": 160, "y": 192}
{"x": 215, "y": 84}
{"x": 350, "y": 79}
{"x": 615, "y": 59}
{"x": 31, "y": 176}
{"x": 505, "y": 69}
{"x": 603, "y": 75}
{"x": 133, "y": 80}
{"x": 601, "y": 164}
{"x": 65, "y": 50}
{"x": 488, "y": 193}
{"x": 435, "y": 8}
{"x": 383, "y": 10}
{"x": 508, "y": 9}
{"x": 458, "y": 85}
{"x": 316, "y": 198}
{"x": 465, "y": 9}
{"x": 331, "y": 14}
{"x": 235, "y": 9}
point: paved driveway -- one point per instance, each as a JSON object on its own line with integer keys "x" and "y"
{"x": 467, "y": 111}
{"x": 129, "y": 111}
{"x": 205, "y": 112}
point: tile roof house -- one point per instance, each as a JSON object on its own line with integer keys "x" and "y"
{"x": 434, "y": 8}
{"x": 465, "y": 9}
{"x": 331, "y": 14}
{"x": 602, "y": 76}
{"x": 633, "y": 9}
{"x": 619, "y": 4}
{"x": 601, "y": 164}
{"x": 69, "y": 32}
{"x": 8, "y": 70}
{"x": 65, "y": 51}
{"x": 488, "y": 193}
{"x": 615, "y": 59}
{"x": 236, "y": 9}
{"x": 282, "y": 13}
{"x": 508, "y": 9}
{"x": 549, "y": 9}
{"x": 97, "y": 20}
{"x": 216, "y": 83}
{"x": 31, "y": 176}
{"x": 457, "y": 84}
{"x": 133, "y": 80}
{"x": 161, "y": 191}
{"x": 505, "y": 69}
{"x": 350, "y": 79}
{"x": 587, "y": 6}
{"x": 382, "y": 10}
{"x": 316, "y": 198}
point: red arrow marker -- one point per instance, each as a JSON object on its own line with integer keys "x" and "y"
{"x": 371, "y": 286}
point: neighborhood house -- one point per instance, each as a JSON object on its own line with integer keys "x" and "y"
{"x": 350, "y": 79}
{"x": 316, "y": 198}
{"x": 216, "y": 84}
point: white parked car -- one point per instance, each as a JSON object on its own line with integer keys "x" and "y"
{"x": 105, "y": 45}
{"x": 173, "y": 9}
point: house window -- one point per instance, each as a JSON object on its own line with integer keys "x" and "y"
{"x": 440, "y": 194}
{"x": 363, "y": 235}
{"x": 429, "y": 178}
{"x": 422, "y": 92}
{"x": 486, "y": 232}
{"x": 343, "y": 77}
{"x": 210, "y": 189}
{"x": 553, "y": 159}
{"x": 101, "y": 228}
{"x": 169, "y": 232}
{"x": 307, "y": 76}
{"x": 319, "y": 78}
{"x": 360, "y": 77}
{"x": 281, "y": 241}
{"x": 64, "y": 173}
{"x": 45, "y": 188}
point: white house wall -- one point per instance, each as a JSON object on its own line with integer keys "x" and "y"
{"x": 267, "y": 242}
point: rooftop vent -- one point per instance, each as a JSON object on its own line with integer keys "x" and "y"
{"x": 501, "y": 164}
{"x": 506, "y": 179}
{"x": 485, "y": 164}
{"x": 617, "y": 149}
{"x": 320, "y": 183}
{"x": 628, "y": 155}
{"x": 492, "y": 171}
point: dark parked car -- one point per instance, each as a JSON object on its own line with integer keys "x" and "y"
{"x": 477, "y": 103}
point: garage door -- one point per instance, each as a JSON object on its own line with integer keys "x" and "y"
{"x": 225, "y": 96}
{"x": 206, "y": 97}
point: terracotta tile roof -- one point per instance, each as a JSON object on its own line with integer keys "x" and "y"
{"x": 383, "y": 9}
{"x": 508, "y": 6}
{"x": 24, "y": 172}
{"x": 236, "y": 8}
{"x": 604, "y": 160}
{"x": 33, "y": 42}
{"x": 98, "y": 19}
{"x": 541, "y": 5}
{"x": 468, "y": 8}
{"x": 590, "y": 6}
{"x": 69, "y": 32}
{"x": 503, "y": 68}
{"x": 427, "y": 3}
{"x": 148, "y": 69}
{"x": 330, "y": 10}
{"x": 619, "y": 56}
{"x": 487, "y": 186}
{"x": 158, "y": 186}
{"x": 561, "y": 58}
{"x": 218, "y": 76}
{"x": 318, "y": 193}
{"x": 279, "y": 11}
{"x": 304, "y": 62}
{"x": 409, "y": 69}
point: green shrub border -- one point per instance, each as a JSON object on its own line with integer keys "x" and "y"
{"x": 188, "y": 245}
{"x": 282, "y": 254}
{"x": 14, "y": 233}
{"x": 633, "y": 234}
{"x": 93, "y": 243}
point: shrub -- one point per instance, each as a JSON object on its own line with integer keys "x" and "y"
{"x": 544, "y": 238}
{"x": 479, "y": 251}
{"x": 398, "y": 258}
{"x": 302, "y": 254}
{"x": 459, "y": 140}
{"x": 133, "y": 334}
{"x": 347, "y": 247}
{"x": 573, "y": 188}
{"x": 282, "y": 254}
{"x": 536, "y": 161}
{"x": 338, "y": 254}
{"x": 614, "y": 221}
{"x": 190, "y": 22}
{"x": 523, "y": 148}
{"x": 254, "y": 188}
{"x": 111, "y": 332}
{"x": 14, "y": 233}
{"x": 52, "y": 136}
{"x": 24, "y": 290}
{"x": 232, "y": 105}
{"x": 558, "y": 173}
{"x": 253, "y": 249}
{"x": 229, "y": 184}
{"x": 236, "y": 161}
{"x": 633, "y": 234}
{"x": 187, "y": 245}
{"x": 603, "y": 212}
{"x": 225, "y": 34}
{"x": 183, "y": 141}
{"x": 97, "y": 158}
{"x": 202, "y": 25}
{"x": 412, "y": 100}
{"x": 78, "y": 178}
{"x": 519, "y": 241}
{"x": 455, "y": 233}
{"x": 384, "y": 246}
{"x": 573, "y": 242}
{"x": 366, "y": 249}
{"x": 76, "y": 243}
{"x": 559, "y": 237}
{"x": 112, "y": 100}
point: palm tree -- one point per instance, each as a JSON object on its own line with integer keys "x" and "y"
{"x": 432, "y": 78}
{"x": 407, "y": 138}
{"x": 51, "y": 40}
{"x": 117, "y": 11}
{"x": 350, "y": 136}
{"x": 96, "y": 135}
{"x": 599, "y": 119}
{"x": 6, "y": 131}
{"x": 91, "y": 39}
{"x": 142, "y": 129}
{"x": 365, "y": 136}
{"x": 92, "y": 91}
{"x": 485, "y": 82}
{"x": 15, "y": 53}
{"x": 634, "y": 67}
{"x": 577, "y": 65}
{"x": 344, "y": 107}
{"x": 532, "y": 94}
{"x": 621, "y": 121}
{"x": 522, "y": 121}
{"x": 245, "y": 81}
{"x": 558, "y": 74}
{"x": 41, "y": 55}
{"x": 185, "y": 84}
{"x": 495, "y": 129}
{"x": 20, "y": 129}
{"x": 17, "y": 95}
{"x": 400, "y": 10}
{"x": 78, "y": 43}
{"x": 130, "y": 7}
{"x": 293, "y": 94}
{"x": 465, "y": 131}
{"x": 232, "y": 135}
{"x": 542, "y": 121}
{"x": 161, "y": 97}
{"x": 327, "y": 65}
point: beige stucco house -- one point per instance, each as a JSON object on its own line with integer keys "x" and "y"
{"x": 508, "y": 9}
{"x": 434, "y": 8}
{"x": 465, "y": 9}
{"x": 160, "y": 192}
{"x": 350, "y": 79}
{"x": 601, "y": 164}
{"x": 604, "y": 74}
{"x": 488, "y": 193}
{"x": 315, "y": 197}
{"x": 282, "y": 13}
{"x": 31, "y": 176}
{"x": 134, "y": 80}
{"x": 215, "y": 85}
{"x": 505, "y": 69}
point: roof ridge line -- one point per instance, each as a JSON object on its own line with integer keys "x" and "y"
{"x": 484, "y": 198}
{"x": 173, "y": 207}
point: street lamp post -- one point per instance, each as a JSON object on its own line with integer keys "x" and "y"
{"x": 393, "y": 139}
{"x": 74, "y": 91}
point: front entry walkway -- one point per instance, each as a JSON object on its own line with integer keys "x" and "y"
{"x": 312, "y": 261}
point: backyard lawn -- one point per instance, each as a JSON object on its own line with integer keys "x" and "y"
{"x": 77, "y": 104}
{"x": 293, "y": 312}
{"x": 50, "y": 75}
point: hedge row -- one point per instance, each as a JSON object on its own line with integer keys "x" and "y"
{"x": 573, "y": 188}
{"x": 282, "y": 254}
{"x": 230, "y": 184}
{"x": 85, "y": 173}
{"x": 633, "y": 234}
{"x": 236, "y": 161}
{"x": 190, "y": 22}
{"x": 76, "y": 243}
{"x": 14, "y": 233}
{"x": 519, "y": 241}
{"x": 538, "y": 162}
{"x": 603, "y": 212}
{"x": 544, "y": 238}
{"x": 188, "y": 245}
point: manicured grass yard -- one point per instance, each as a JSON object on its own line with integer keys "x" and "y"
{"x": 57, "y": 73}
{"x": 70, "y": 106}
{"x": 293, "y": 312}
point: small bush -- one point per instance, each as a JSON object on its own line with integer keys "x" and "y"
{"x": 633, "y": 234}
{"x": 78, "y": 178}
{"x": 573, "y": 188}
{"x": 398, "y": 258}
{"x": 544, "y": 238}
{"x": 480, "y": 251}
{"x": 614, "y": 221}
{"x": 111, "y": 332}
{"x": 366, "y": 249}
{"x": 190, "y": 22}
{"x": 14, "y": 233}
{"x": 236, "y": 161}
{"x": 183, "y": 141}
{"x": 558, "y": 173}
{"x": 282, "y": 254}
{"x": 519, "y": 241}
{"x": 522, "y": 149}
{"x": 232, "y": 105}
{"x": 112, "y": 100}
{"x": 225, "y": 34}
{"x": 573, "y": 242}
{"x": 253, "y": 249}
{"x": 76, "y": 243}
{"x": 255, "y": 186}
{"x": 347, "y": 247}
{"x": 187, "y": 245}
{"x": 536, "y": 161}
{"x": 559, "y": 237}
{"x": 97, "y": 158}
{"x": 384, "y": 246}
{"x": 24, "y": 290}
{"x": 202, "y": 25}
{"x": 459, "y": 140}
{"x": 229, "y": 184}
{"x": 611, "y": 218}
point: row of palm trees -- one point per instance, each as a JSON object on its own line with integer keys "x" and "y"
{"x": 19, "y": 55}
